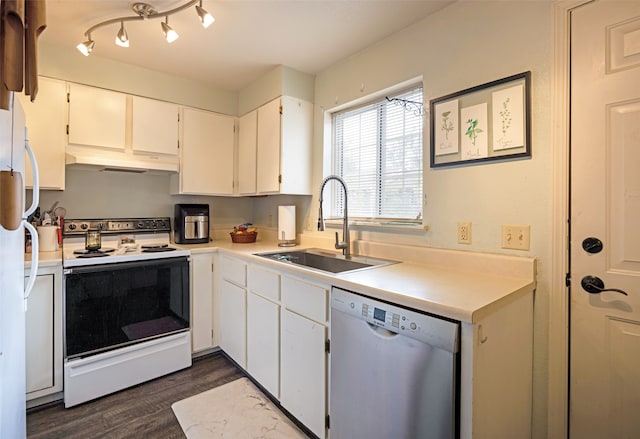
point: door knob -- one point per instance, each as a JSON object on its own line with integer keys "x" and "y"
{"x": 594, "y": 285}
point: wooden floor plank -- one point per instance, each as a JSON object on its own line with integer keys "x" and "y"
{"x": 143, "y": 411}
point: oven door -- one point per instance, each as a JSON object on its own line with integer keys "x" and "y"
{"x": 113, "y": 305}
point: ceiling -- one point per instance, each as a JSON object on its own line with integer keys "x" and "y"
{"x": 248, "y": 38}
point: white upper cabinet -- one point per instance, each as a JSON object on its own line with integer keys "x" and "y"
{"x": 206, "y": 154}
{"x": 154, "y": 126}
{"x": 247, "y": 138}
{"x": 47, "y": 125}
{"x": 284, "y": 136}
{"x": 268, "y": 170}
{"x": 97, "y": 117}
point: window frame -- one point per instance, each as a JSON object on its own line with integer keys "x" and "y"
{"x": 329, "y": 160}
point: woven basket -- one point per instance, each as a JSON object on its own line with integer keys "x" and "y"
{"x": 243, "y": 238}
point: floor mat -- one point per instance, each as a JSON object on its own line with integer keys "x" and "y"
{"x": 236, "y": 410}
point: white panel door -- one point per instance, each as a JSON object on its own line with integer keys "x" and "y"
{"x": 47, "y": 124}
{"x": 605, "y": 221}
{"x": 263, "y": 342}
{"x": 206, "y": 162}
{"x": 233, "y": 322}
{"x": 97, "y": 117}
{"x": 247, "y": 138}
{"x": 201, "y": 301}
{"x": 40, "y": 335}
{"x": 269, "y": 138}
{"x": 303, "y": 370}
{"x": 154, "y": 126}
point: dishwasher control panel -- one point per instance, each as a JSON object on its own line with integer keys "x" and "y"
{"x": 411, "y": 323}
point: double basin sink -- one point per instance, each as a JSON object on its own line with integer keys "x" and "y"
{"x": 324, "y": 260}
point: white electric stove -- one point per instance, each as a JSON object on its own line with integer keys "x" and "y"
{"x": 126, "y": 305}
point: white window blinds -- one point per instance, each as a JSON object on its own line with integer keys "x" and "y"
{"x": 377, "y": 150}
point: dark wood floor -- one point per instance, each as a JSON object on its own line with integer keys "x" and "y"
{"x": 143, "y": 411}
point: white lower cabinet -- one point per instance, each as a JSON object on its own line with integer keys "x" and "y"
{"x": 263, "y": 327}
{"x": 275, "y": 326}
{"x": 263, "y": 342}
{"x": 44, "y": 337}
{"x": 303, "y": 370}
{"x": 232, "y": 310}
{"x": 303, "y": 353}
{"x": 202, "y": 301}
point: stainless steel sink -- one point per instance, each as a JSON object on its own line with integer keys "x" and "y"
{"x": 325, "y": 260}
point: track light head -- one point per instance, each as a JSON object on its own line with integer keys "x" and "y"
{"x": 205, "y": 18}
{"x": 86, "y": 47}
{"x": 122, "y": 39}
{"x": 169, "y": 34}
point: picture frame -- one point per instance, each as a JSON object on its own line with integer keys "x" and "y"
{"x": 485, "y": 123}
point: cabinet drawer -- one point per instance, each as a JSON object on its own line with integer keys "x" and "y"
{"x": 266, "y": 283}
{"x": 304, "y": 298}
{"x": 234, "y": 271}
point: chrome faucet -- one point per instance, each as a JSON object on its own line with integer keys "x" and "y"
{"x": 346, "y": 241}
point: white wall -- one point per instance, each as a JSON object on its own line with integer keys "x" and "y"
{"x": 464, "y": 45}
{"x": 69, "y": 65}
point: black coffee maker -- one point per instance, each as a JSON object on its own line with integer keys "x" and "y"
{"x": 191, "y": 224}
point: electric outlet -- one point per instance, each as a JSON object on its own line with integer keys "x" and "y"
{"x": 464, "y": 232}
{"x": 517, "y": 237}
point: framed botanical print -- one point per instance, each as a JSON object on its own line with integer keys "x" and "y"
{"x": 485, "y": 123}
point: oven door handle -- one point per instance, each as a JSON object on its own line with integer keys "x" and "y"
{"x": 125, "y": 265}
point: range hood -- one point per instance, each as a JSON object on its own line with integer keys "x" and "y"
{"x": 90, "y": 158}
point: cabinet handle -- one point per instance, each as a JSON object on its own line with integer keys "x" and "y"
{"x": 483, "y": 339}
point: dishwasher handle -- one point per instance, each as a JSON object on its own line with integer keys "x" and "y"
{"x": 382, "y": 332}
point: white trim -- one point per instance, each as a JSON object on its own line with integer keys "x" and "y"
{"x": 558, "y": 336}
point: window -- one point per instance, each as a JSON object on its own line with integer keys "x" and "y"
{"x": 377, "y": 150}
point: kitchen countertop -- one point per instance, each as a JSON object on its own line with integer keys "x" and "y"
{"x": 45, "y": 259}
{"x": 459, "y": 285}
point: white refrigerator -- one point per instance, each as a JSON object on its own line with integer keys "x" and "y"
{"x": 13, "y": 291}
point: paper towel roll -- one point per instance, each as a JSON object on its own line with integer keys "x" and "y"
{"x": 286, "y": 223}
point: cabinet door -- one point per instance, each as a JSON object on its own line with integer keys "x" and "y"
{"x": 201, "y": 301}
{"x": 268, "y": 165}
{"x": 206, "y": 165}
{"x": 295, "y": 146}
{"x": 233, "y": 321}
{"x": 263, "y": 342}
{"x": 247, "y": 138}
{"x": 97, "y": 117}
{"x": 303, "y": 370}
{"x": 47, "y": 125}
{"x": 40, "y": 335}
{"x": 154, "y": 126}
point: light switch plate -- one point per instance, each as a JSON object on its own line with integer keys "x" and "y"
{"x": 517, "y": 237}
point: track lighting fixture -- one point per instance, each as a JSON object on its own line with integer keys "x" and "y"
{"x": 146, "y": 11}
{"x": 122, "y": 39}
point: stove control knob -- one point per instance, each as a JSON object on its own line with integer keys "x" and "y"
{"x": 140, "y": 225}
{"x": 72, "y": 226}
{"x": 84, "y": 226}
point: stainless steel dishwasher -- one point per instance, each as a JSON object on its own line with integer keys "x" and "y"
{"x": 394, "y": 372}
